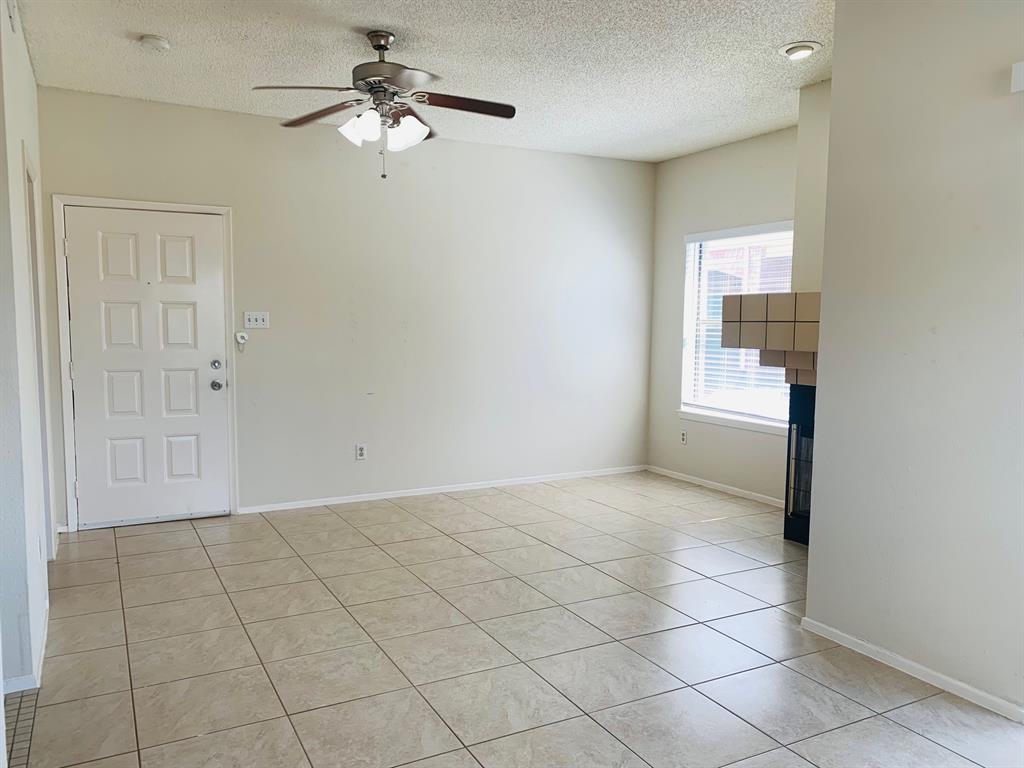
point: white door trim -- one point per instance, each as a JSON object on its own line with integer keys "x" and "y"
{"x": 60, "y": 202}
{"x": 37, "y": 263}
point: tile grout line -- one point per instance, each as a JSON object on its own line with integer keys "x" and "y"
{"x": 685, "y": 685}
{"x": 884, "y": 715}
{"x": 631, "y": 589}
{"x": 228, "y": 593}
{"x": 127, "y": 656}
{"x": 432, "y": 590}
{"x": 518, "y": 661}
{"x": 390, "y": 660}
{"x": 259, "y": 658}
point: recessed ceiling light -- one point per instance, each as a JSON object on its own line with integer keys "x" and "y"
{"x": 155, "y": 43}
{"x": 799, "y": 50}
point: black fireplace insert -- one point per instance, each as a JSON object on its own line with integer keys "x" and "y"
{"x": 799, "y": 462}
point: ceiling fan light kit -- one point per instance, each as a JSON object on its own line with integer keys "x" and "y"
{"x": 408, "y": 133}
{"x": 365, "y": 127}
{"x": 388, "y": 88}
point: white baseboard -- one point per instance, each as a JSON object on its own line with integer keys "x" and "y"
{"x": 435, "y": 489}
{"x": 23, "y": 683}
{"x": 717, "y": 486}
{"x": 28, "y": 682}
{"x": 946, "y": 683}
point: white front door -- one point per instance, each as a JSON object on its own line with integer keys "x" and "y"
{"x": 146, "y": 296}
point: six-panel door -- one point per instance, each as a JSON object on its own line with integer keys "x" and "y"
{"x": 146, "y": 293}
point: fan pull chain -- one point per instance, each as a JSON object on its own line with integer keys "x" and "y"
{"x": 383, "y": 161}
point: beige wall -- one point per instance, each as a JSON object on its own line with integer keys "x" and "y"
{"x": 482, "y": 314}
{"x": 917, "y": 543}
{"x": 811, "y": 179}
{"x": 23, "y": 525}
{"x": 748, "y": 182}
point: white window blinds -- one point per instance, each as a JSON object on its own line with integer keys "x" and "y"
{"x": 730, "y": 381}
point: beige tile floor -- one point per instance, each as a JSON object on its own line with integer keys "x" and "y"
{"x": 623, "y": 621}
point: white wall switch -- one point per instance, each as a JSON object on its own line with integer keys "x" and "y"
{"x": 256, "y": 319}
{"x": 1017, "y": 78}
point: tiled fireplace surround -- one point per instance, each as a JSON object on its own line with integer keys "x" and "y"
{"x": 784, "y": 326}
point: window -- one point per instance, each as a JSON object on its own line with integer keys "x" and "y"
{"x": 730, "y": 382}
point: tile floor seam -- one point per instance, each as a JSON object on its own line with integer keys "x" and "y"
{"x": 263, "y": 667}
{"x": 766, "y": 602}
{"x": 472, "y": 622}
{"x": 939, "y": 692}
{"x": 735, "y": 714}
{"x": 197, "y": 736}
{"x": 436, "y": 593}
{"x": 923, "y": 736}
{"x": 392, "y": 661}
{"x": 86, "y": 764}
{"x": 682, "y": 684}
{"x": 193, "y": 677}
{"x": 431, "y": 590}
{"x": 786, "y": 744}
{"x": 838, "y": 727}
{"x": 411, "y": 684}
{"x": 519, "y": 661}
{"x": 648, "y": 591}
{"x": 127, "y": 657}
{"x": 875, "y": 712}
{"x": 747, "y": 645}
{"x": 441, "y": 754}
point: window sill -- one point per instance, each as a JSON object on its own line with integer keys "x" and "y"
{"x": 733, "y": 421}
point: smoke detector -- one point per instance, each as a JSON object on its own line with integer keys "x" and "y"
{"x": 155, "y": 43}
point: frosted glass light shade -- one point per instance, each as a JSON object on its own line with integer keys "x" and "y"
{"x": 408, "y": 133}
{"x": 365, "y": 127}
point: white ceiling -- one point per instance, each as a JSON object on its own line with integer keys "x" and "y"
{"x": 635, "y": 79}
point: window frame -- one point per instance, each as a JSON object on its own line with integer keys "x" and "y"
{"x": 705, "y": 414}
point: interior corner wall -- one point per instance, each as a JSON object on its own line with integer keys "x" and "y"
{"x": 811, "y": 185}
{"x": 735, "y": 185}
{"x": 23, "y": 528}
{"x": 917, "y": 540}
{"x": 483, "y": 314}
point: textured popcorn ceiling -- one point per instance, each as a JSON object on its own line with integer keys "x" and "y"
{"x": 636, "y": 79}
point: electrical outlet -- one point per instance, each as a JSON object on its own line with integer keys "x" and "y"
{"x": 682, "y": 437}
{"x": 256, "y": 319}
{"x": 360, "y": 451}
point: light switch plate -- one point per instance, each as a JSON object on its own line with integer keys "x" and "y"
{"x": 256, "y": 319}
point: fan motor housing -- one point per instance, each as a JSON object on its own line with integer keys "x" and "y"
{"x": 373, "y": 75}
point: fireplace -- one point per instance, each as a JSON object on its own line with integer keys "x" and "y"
{"x": 784, "y": 327}
{"x": 799, "y": 463}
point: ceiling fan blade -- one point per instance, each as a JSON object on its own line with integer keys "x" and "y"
{"x": 409, "y": 79}
{"x": 339, "y": 89}
{"x": 492, "y": 108}
{"x": 321, "y": 113}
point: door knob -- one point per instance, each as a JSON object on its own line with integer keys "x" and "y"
{"x": 216, "y": 385}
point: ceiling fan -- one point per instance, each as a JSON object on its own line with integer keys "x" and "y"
{"x": 387, "y": 89}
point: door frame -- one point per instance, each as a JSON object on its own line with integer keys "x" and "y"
{"x": 60, "y": 203}
{"x": 37, "y": 265}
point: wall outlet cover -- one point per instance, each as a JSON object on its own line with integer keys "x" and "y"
{"x": 360, "y": 451}
{"x": 682, "y": 437}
